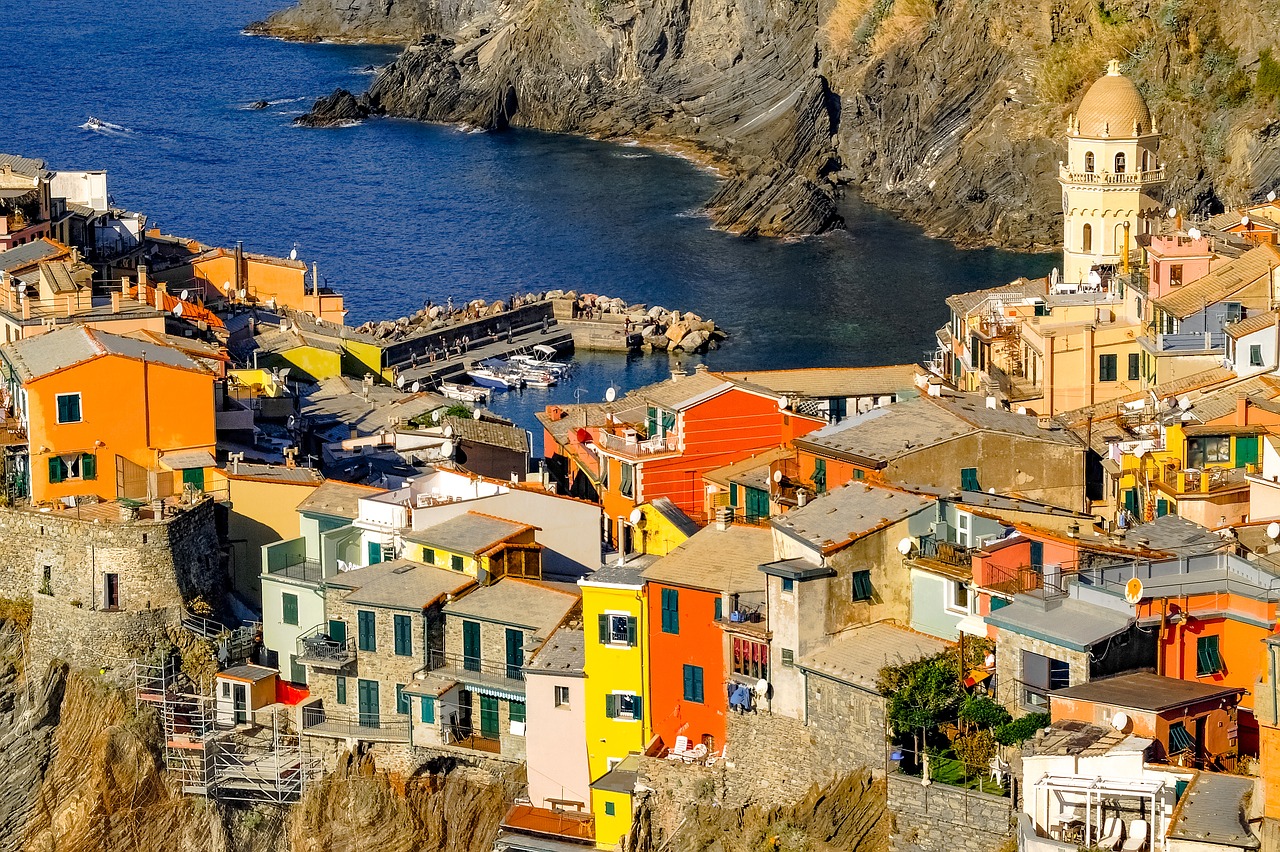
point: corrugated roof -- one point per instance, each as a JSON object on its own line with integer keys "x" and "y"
{"x": 486, "y": 432}
{"x": 1016, "y": 291}
{"x": 472, "y": 533}
{"x": 1250, "y": 324}
{"x": 1214, "y": 810}
{"x": 1144, "y": 691}
{"x": 29, "y": 254}
{"x": 1217, "y": 285}
{"x": 846, "y": 514}
{"x": 564, "y": 653}
{"x": 533, "y": 606}
{"x": 38, "y": 356}
{"x": 58, "y": 275}
{"x": 856, "y": 656}
{"x": 337, "y": 499}
{"x": 275, "y": 473}
{"x": 717, "y": 560}
{"x": 28, "y": 166}
{"x": 820, "y": 382}
{"x": 401, "y": 584}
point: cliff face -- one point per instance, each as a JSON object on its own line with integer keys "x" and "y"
{"x": 950, "y": 113}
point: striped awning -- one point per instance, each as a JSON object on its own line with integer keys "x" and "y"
{"x": 496, "y": 692}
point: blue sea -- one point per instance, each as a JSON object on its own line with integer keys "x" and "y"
{"x": 397, "y": 212}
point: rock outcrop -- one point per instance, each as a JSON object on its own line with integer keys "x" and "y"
{"x": 340, "y": 109}
{"x": 950, "y": 113}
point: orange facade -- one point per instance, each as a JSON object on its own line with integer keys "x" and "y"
{"x": 128, "y": 409}
{"x": 834, "y": 473}
{"x": 264, "y": 279}
{"x": 687, "y": 680}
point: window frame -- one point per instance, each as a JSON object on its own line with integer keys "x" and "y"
{"x": 560, "y": 696}
{"x": 694, "y": 684}
{"x": 285, "y": 599}
{"x": 79, "y": 408}
{"x": 372, "y": 630}
{"x": 1255, "y": 355}
{"x": 401, "y": 623}
{"x": 670, "y": 603}
{"x": 861, "y": 588}
{"x": 611, "y": 636}
{"x": 1108, "y": 367}
{"x": 1209, "y": 655}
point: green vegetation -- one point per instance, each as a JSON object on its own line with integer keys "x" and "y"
{"x": 1021, "y": 729}
{"x": 1267, "y": 87}
{"x": 879, "y": 11}
{"x": 1112, "y": 16}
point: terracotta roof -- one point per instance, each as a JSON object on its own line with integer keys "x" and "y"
{"x": 502, "y": 435}
{"x": 1113, "y": 108}
{"x": 1226, "y": 280}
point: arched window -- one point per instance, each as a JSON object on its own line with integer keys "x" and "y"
{"x": 1088, "y": 162}
{"x": 1146, "y": 160}
{"x": 1086, "y": 238}
{"x": 1120, "y": 163}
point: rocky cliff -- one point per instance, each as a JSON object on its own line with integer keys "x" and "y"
{"x": 948, "y": 112}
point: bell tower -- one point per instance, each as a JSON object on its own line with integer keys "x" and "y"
{"x": 1109, "y": 176}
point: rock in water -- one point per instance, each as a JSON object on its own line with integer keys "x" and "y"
{"x": 337, "y": 110}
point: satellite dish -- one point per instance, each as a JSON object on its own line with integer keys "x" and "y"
{"x": 243, "y": 292}
{"x": 1271, "y": 196}
{"x": 637, "y": 516}
{"x": 1173, "y": 211}
{"x": 284, "y": 374}
{"x": 185, "y": 295}
{"x": 1273, "y": 531}
{"x": 293, "y": 255}
{"x": 1194, "y": 233}
{"x": 1120, "y": 721}
{"x": 448, "y": 431}
{"x": 400, "y": 380}
{"x": 777, "y": 476}
{"x": 904, "y": 546}
{"x": 475, "y": 415}
{"x": 1244, "y": 220}
{"x": 226, "y": 288}
{"x": 446, "y": 449}
{"x": 1133, "y": 590}
{"x": 417, "y": 386}
{"x": 177, "y": 310}
{"x": 1184, "y": 403}
{"x": 435, "y": 416}
{"x": 610, "y": 395}
{"x": 762, "y": 687}
{"x": 783, "y": 402}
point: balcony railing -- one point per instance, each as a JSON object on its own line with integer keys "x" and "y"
{"x": 475, "y": 670}
{"x": 945, "y": 552}
{"x": 1108, "y": 178}
{"x": 317, "y": 648}
{"x": 1196, "y": 481}
{"x": 636, "y": 447}
{"x": 316, "y": 721}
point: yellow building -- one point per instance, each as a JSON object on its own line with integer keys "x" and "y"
{"x": 616, "y": 666}
{"x": 484, "y": 547}
{"x": 659, "y": 527}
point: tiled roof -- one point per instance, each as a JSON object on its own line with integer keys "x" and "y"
{"x": 28, "y": 166}
{"x": 733, "y": 472}
{"x": 717, "y": 560}
{"x": 856, "y": 656}
{"x": 275, "y": 473}
{"x": 59, "y": 277}
{"x": 834, "y": 520}
{"x": 534, "y": 606}
{"x": 401, "y": 584}
{"x": 1217, "y": 285}
{"x": 1250, "y": 324}
{"x": 1174, "y": 534}
{"x": 822, "y": 382}
{"x": 29, "y": 254}
{"x": 337, "y": 499}
{"x": 472, "y": 533}
{"x": 1017, "y": 291}
{"x": 486, "y": 432}
{"x": 38, "y": 356}
{"x": 675, "y": 394}
{"x": 1214, "y": 810}
{"x": 1103, "y": 410}
{"x": 564, "y": 653}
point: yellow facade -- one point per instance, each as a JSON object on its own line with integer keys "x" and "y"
{"x": 614, "y": 668}
{"x": 485, "y": 568}
{"x": 308, "y": 361}
{"x": 658, "y": 535}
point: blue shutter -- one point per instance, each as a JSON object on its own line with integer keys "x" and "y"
{"x": 428, "y": 709}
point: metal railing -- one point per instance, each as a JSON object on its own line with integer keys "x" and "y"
{"x": 317, "y": 647}
{"x": 946, "y": 552}
{"x": 475, "y": 669}
{"x": 637, "y": 447}
{"x": 317, "y": 721}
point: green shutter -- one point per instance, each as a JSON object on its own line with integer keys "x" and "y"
{"x": 719, "y": 608}
{"x": 1246, "y": 450}
{"x": 820, "y": 475}
{"x": 375, "y": 553}
{"x": 404, "y": 635}
{"x": 342, "y": 690}
{"x": 338, "y": 631}
{"x": 604, "y": 630}
{"x": 862, "y": 585}
{"x": 671, "y": 611}
{"x": 56, "y": 470}
{"x": 366, "y": 623}
{"x": 969, "y": 479}
{"x": 471, "y": 646}
{"x": 611, "y": 706}
{"x": 455, "y": 562}
{"x": 733, "y": 494}
{"x": 1037, "y": 556}
{"x": 631, "y": 631}
{"x": 1162, "y": 508}
{"x": 428, "y": 709}
{"x": 429, "y": 555}
{"x": 1208, "y": 660}
{"x": 89, "y": 466}
{"x": 693, "y": 684}
{"x": 289, "y": 607}
{"x": 638, "y": 708}
{"x": 402, "y": 700}
{"x": 515, "y": 653}
{"x": 1135, "y": 366}
{"x": 517, "y": 711}
{"x": 697, "y": 684}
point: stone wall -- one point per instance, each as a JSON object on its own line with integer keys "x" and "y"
{"x": 1009, "y": 648}
{"x": 59, "y": 561}
{"x": 382, "y": 664}
{"x": 941, "y": 818}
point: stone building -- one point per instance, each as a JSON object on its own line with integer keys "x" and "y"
{"x": 105, "y": 580}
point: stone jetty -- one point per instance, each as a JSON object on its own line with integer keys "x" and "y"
{"x": 608, "y": 322}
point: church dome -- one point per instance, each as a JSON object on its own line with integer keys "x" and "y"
{"x": 1113, "y": 108}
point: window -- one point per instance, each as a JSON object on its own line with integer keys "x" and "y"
{"x": 297, "y": 671}
{"x": 1040, "y": 676}
{"x": 69, "y": 408}
{"x": 1180, "y": 739}
{"x": 820, "y": 476}
{"x": 76, "y": 466}
{"x": 858, "y": 473}
{"x": 750, "y": 659}
{"x": 628, "y": 484}
{"x": 693, "y": 684}
{"x": 562, "y": 696}
{"x": 958, "y": 597}
{"x": 1211, "y": 448}
{"x": 757, "y": 504}
{"x": 403, "y": 625}
{"x": 226, "y": 689}
{"x": 191, "y": 476}
{"x": 862, "y": 585}
{"x": 788, "y": 658}
{"x": 1106, "y": 368}
{"x": 1255, "y": 355}
{"x": 1135, "y": 366}
{"x": 788, "y": 584}
{"x": 517, "y": 712}
{"x": 1037, "y": 556}
{"x": 1208, "y": 660}
{"x": 429, "y": 555}
{"x": 366, "y": 623}
{"x": 671, "y": 611}
{"x": 1042, "y": 309}
{"x": 46, "y": 581}
{"x": 969, "y": 479}
{"x": 342, "y": 690}
{"x": 427, "y": 712}
{"x": 1086, "y": 238}
{"x": 289, "y": 608}
{"x": 733, "y": 494}
{"x": 515, "y": 654}
{"x": 471, "y": 646}
{"x": 617, "y": 629}
{"x": 402, "y": 700}
{"x": 718, "y": 614}
{"x": 1175, "y": 275}
{"x": 1088, "y": 162}
{"x": 622, "y": 705}
{"x": 608, "y": 809}
{"x": 1120, "y": 163}
{"x": 455, "y": 562}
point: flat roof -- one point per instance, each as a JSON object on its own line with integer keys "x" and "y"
{"x": 820, "y": 382}
{"x": 1144, "y": 691}
{"x": 846, "y": 514}
{"x": 274, "y": 473}
{"x": 1068, "y": 622}
{"x": 1214, "y": 809}
{"x": 248, "y": 672}
{"x": 717, "y": 560}
{"x": 856, "y": 656}
{"x": 797, "y": 569}
{"x": 620, "y": 779}
{"x": 400, "y": 584}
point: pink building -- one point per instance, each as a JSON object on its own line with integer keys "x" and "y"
{"x": 556, "y": 709}
{"x": 1177, "y": 259}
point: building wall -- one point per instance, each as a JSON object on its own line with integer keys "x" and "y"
{"x": 1240, "y": 645}
{"x": 847, "y": 724}
{"x": 929, "y": 605}
{"x": 700, "y": 642}
{"x": 1009, "y": 648}
{"x": 613, "y": 668}
{"x": 1267, "y": 343}
{"x": 611, "y": 828}
{"x": 556, "y": 749}
{"x": 280, "y": 637}
{"x": 381, "y": 665}
{"x": 173, "y": 411}
{"x": 307, "y": 362}
{"x": 566, "y": 528}
{"x": 658, "y": 536}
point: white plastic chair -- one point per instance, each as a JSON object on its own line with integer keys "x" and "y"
{"x": 680, "y": 750}
{"x": 1137, "y": 838}
{"x": 1112, "y": 831}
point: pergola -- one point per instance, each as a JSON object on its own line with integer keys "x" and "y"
{"x": 1071, "y": 792}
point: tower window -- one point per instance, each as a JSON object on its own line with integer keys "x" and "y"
{"x": 1086, "y": 238}
{"x": 1088, "y": 162}
{"x": 1146, "y": 160}
{"x": 1120, "y": 163}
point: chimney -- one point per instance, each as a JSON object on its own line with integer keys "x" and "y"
{"x": 935, "y": 389}
{"x": 724, "y": 518}
{"x": 702, "y": 368}
{"x": 678, "y": 373}
{"x": 142, "y": 273}
{"x": 992, "y": 402}
{"x": 802, "y": 498}
{"x": 1242, "y": 410}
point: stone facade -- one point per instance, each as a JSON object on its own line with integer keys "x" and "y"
{"x": 941, "y": 818}
{"x": 62, "y": 563}
{"x": 1009, "y": 648}
{"x": 848, "y": 725}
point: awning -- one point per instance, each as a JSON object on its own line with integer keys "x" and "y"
{"x": 188, "y": 460}
{"x": 972, "y": 624}
{"x": 496, "y": 692}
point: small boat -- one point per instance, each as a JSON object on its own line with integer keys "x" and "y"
{"x": 531, "y": 362}
{"x": 487, "y": 377}
{"x": 464, "y": 393}
{"x": 95, "y": 124}
{"x": 536, "y": 378}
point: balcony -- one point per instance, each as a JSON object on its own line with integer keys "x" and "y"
{"x": 370, "y": 727}
{"x": 474, "y": 671}
{"x": 1109, "y": 179}
{"x": 633, "y": 447}
{"x": 576, "y": 826}
{"x": 945, "y": 552}
{"x": 317, "y": 649}
{"x": 1196, "y": 481}
{"x": 289, "y": 559}
{"x": 1195, "y": 341}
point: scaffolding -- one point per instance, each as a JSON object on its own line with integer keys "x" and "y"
{"x": 247, "y": 762}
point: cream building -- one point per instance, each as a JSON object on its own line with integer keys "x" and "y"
{"x": 1108, "y": 177}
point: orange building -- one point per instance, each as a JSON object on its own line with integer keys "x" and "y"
{"x": 109, "y": 416}
{"x": 693, "y": 595}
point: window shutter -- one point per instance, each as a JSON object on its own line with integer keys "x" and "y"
{"x": 697, "y": 684}
{"x": 604, "y": 630}
{"x": 89, "y": 466}
{"x": 611, "y": 706}
{"x": 631, "y": 630}
{"x": 688, "y": 683}
{"x": 1135, "y": 366}
{"x": 342, "y": 689}
{"x": 637, "y": 705}
{"x": 1246, "y": 450}
{"x": 719, "y": 608}
{"x": 55, "y": 469}
{"x": 428, "y": 709}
